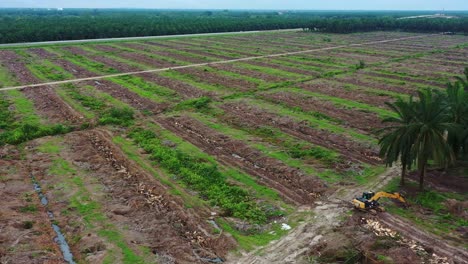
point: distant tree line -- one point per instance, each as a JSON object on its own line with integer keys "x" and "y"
{"x": 30, "y": 25}
{"x": 362, "y": 24}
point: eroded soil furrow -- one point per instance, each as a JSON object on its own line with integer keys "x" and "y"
{"x": 244, "y": 115}
{"x": 160, "y": 220}
{"x": 291, "y": 183}
{"x": 364, "y": 121}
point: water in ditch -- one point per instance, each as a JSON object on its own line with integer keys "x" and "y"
{"x": 60, "y": 238}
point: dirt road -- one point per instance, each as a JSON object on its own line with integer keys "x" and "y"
{"x": 327, "y": 215}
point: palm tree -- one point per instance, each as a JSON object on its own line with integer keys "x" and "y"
{"x": 396, "y": 143}
{"x": 463, "y": 82}
{"x": 456, "y": 100}
{"x": 428, "y": 132}
{"x": 418, "y": 134}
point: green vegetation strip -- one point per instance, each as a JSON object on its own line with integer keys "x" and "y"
{"x": 204, "y": 177}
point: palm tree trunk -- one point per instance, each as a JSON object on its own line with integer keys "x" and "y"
{"x": 403, "y": 173}
{"x": 422, "y": 174}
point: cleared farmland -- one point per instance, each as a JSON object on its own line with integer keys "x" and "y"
{"x": 189, "y": 164}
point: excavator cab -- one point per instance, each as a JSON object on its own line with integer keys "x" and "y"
{"x": 369, "y": 200}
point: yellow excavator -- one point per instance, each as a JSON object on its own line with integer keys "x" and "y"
{"x": 370, "y": 200}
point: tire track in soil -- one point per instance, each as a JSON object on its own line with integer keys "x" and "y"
{"x": 139, "y": 201}
{"x": 242, "y": 114}
{"x": 292, "y": 184}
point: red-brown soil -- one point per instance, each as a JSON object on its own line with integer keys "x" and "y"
{"x": 361, "y": 82}
{"x": 254, "y": 74}
{"x": 120, "y": 66}
{"x": 17, "y": 67}
{"x": 338, "y": 90}
{"x": 46, "y": 101}
{"x": 366, "y": 122}
{"x": 452, "y": 180}
{"x": 164, "y": 53}
{"x": 75, "y": 70}
{"x": 48, "y": 104}
{"x": 128, "y": 97}
{"x": 26, "y": 235}
{"x": 140, "y": 58}
{"x": 76, "y": 50}
{"x": 218, "y": 79}
{"x": 183, "y": 89}
{"x": 291, "y": 183}
{"x": 244, "y": 115}
{"x": 283, "y": 68}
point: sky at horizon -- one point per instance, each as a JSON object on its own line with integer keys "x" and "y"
{"x": 248, "y": 4}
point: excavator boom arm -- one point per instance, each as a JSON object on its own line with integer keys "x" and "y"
{"x": 396, "y": 196}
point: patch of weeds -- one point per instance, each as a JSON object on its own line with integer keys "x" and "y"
{"x": 28, "y": 208}
{"x": 117, "y": 116}
{"x": 26, "y": 132}
{"x": 202, "y": 103}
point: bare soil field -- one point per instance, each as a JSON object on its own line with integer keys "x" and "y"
{"x": 251, "y": 161}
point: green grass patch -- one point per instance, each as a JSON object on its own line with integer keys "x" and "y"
{"x": 203, "y": 177}
{"x": 146, "y": 89}
{"x": 117, "y": 116}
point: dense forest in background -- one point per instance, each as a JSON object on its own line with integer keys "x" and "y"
{"x": 30, "y": 25}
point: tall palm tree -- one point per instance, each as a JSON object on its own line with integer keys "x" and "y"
{"x": 456, "y": 100}
{"x": 428, "y": 130}
{"x": 396, "y": 143}
{"x": 418, "y": 134}
{"x": 463, "y": 82}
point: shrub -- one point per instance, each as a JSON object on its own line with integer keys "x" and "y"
{"x": 197, "y": 103}
{"x": 116, "y": 116}
{"x": 26, "y": 132}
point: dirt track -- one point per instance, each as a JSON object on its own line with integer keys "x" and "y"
{"x": 327, "y": 215}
